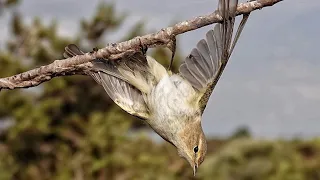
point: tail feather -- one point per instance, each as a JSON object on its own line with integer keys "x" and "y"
{"x": 156, "y": 69}
{"x": 122, "y": 79}
{"x": 72, "y": 50}
{"x": 136, "y": 69}
{"x": 140, "y": 71}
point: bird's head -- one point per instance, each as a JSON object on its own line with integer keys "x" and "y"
{"x": 192, "y": 145}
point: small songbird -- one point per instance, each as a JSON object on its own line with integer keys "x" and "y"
{"x": 172, "y": 104}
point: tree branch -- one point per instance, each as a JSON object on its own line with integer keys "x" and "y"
{"x": 81, "y": 64}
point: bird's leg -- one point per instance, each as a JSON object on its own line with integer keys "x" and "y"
{"x": 172, "y": 46}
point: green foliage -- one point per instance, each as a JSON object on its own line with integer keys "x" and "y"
{"x": 104, "y": 21}
{"x": 68, "y": 128}
{"x": 7, "y": 4}
{"x": 240, "y": 132}
{"x": 247, "y": 159}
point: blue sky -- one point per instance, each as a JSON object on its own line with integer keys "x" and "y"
{"x": 272, "y": 82}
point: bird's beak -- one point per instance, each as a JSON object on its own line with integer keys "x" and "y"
{"x": 195, "y": 170}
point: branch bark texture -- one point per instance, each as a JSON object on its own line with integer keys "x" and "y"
{"x": 81, "y": 64}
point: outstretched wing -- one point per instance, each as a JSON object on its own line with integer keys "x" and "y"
{"x": 205, "y": 64}
{"x": 125, "y": 95}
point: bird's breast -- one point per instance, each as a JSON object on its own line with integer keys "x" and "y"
{"x": 170, "y": 104}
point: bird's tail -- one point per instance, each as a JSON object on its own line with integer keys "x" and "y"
{"x": 142, "y": 72}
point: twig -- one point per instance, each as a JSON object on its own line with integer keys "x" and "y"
{"x": 81, "y": 64}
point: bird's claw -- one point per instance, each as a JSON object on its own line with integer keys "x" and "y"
{"x": 143, "y": 47}
{"x": 95, "y": 49}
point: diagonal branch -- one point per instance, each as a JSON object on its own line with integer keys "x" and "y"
{"x": 81, "y": 64}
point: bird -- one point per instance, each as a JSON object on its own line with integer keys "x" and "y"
{"x": 171, "y": 103}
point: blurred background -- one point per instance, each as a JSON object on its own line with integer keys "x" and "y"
{"x": 262, "y": 121}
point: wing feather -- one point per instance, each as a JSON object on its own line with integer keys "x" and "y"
{"x": 124, "y": 95}
{"x": 195, "y": 69}
{"x": 187, "y": 74}
{"x": 205, "y": 64}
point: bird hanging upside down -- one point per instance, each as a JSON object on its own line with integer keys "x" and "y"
{"x": 172, "y": 104}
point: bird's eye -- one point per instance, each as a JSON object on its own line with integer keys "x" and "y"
{"x": 196, "y": 149}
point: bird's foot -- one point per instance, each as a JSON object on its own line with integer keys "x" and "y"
{"x": 143, "y": 47}
{"x": 95, "y": 49}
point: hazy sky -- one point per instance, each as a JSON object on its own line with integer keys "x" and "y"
{"x": 272, "y": 82}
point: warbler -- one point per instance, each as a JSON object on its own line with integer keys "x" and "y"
{"x": 172, "y": 104}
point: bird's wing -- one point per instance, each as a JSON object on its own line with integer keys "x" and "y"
{"x": 117, "y": 86}
{"x": 124, "y": 95}
{"x": 205, "y": 64}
